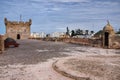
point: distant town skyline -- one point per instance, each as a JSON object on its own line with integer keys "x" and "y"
{"x": 55, "y": 15}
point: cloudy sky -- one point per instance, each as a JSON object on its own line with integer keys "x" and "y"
{"x": 55, "y": 15}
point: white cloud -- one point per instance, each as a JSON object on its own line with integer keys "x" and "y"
{"x": 47, "y": 14}
{"x": 60, "y": 0}
{"x": 55, "y": 9}
{"x": 71, "y": 0}
{"x": 107, "y": 3}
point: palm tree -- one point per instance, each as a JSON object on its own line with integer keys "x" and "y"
{"x": 91, "y": 32}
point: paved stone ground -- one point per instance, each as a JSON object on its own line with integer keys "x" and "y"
{"x": 33, "y": 59}
{"x": 30, "y": 61}
{"x": 32, "y": 52}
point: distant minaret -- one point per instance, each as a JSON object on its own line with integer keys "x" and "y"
{"x": 20, "y": 17}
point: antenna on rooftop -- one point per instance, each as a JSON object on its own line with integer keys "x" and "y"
{"x": 108, "y": 22}
{"x": 93, "y": 27}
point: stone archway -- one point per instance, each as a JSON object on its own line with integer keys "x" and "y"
{"x": 106, "y": 39}
{"x": 18, "y": 36}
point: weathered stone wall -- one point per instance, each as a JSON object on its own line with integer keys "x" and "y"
{"x": 14, "y": 28}
{"x": 116, "y": 42}
{"x": 1, "y": 43}
{"x": 117, "y": 38}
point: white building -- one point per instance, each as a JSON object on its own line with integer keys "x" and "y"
{"x": 57, "y": 34}
{"x": 38, "y": 35}
{"x": 42, "y": 35}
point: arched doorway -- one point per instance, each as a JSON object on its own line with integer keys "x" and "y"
{"x": 106, "y": 39}
{"x": 18, "y": 36}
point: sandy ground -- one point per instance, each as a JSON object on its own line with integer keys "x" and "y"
{"x": 33, "y": 59}
{"x": 41, "y": 71}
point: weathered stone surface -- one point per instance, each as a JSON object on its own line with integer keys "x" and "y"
{"x": 116, "y": 45}
{"x": 1, "y": 43}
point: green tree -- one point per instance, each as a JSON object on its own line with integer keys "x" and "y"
{"x": 72, "y": 33}
{"x": 91, "y": 32}
{"x": 99, "y": 33}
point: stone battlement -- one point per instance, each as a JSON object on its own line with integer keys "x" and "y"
{"x": 17, "y": 22}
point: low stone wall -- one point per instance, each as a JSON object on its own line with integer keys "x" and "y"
{"x": 1, "y": 43}
{"x": 81, "y": 41}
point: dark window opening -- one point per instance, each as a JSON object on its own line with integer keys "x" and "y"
{"x": 18, "y": 36}
{"x": 106, "y": 41}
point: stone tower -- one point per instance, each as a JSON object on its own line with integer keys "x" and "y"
{"x": 108, "y": 35}
{"x": 17, "y": 29}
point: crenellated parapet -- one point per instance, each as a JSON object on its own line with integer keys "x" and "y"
{"x": 17, "y": 22}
